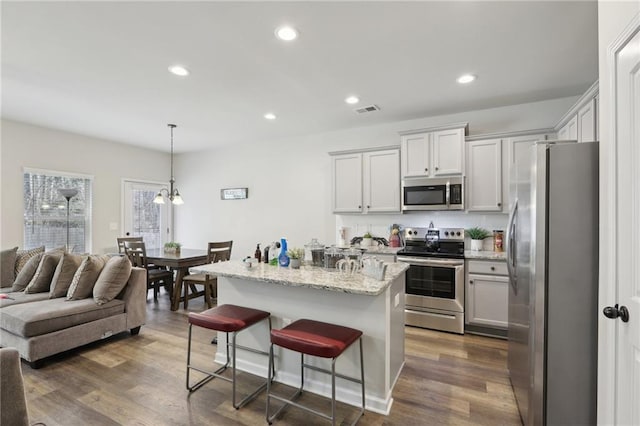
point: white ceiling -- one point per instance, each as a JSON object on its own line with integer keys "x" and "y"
{"x": 100, "y": 68}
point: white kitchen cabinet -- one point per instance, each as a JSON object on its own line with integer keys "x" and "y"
{"x": 347, "y": 182}
{"x": 381, "y": 181}
{"x": 518, "y": 155}
{"x": 586, "y": 122}
{"x": 433, "y": 152}
{"x": 487, "y": 300}
{"x": 448, "y": 154}
{"x": 569, "y": 131}
{"x": 366, "y": 181}
{"x": 484, "y": 175}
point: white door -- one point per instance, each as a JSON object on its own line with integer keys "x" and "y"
{"x": 626, "y": 100}
{"x": 141, "y": 217}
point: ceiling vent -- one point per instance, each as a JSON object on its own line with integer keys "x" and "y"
{"x": 367, "y": 109}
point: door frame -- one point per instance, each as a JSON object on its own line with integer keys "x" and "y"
{"x": 123, "y": 182}
{"x": 608, "y": 276}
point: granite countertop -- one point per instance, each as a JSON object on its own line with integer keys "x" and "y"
{"x": 485, "y": 255}
{"x": 306, "y": 276}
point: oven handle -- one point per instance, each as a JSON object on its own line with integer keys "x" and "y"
{"x": 430, "y": 262}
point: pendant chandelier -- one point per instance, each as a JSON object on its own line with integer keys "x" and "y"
{"x": 172, "y": 193}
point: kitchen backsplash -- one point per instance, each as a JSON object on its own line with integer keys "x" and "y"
{"x": 379, "y": 225}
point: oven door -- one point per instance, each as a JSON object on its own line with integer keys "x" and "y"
{"x": 435, "y": 283}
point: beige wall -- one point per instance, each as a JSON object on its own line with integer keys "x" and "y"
{"x": 24, "y": 145}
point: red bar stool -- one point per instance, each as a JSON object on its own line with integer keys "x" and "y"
{"x": 319, "y": 339}
{"x": 230, "y": 319}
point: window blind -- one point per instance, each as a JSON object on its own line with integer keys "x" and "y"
{"x": 45, "y": 210}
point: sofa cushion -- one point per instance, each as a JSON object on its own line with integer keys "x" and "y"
{"x": 63, "y": 275}
{"x": 112, "y": 279}
{"x": 27, "y": 272}
{"x": 7, "y": 266}
{"x": 23, "y": 256}
{"x": 41, "y": 280}
{"x": 85, "y": 277}
{"x": 46, "y": 316}
{"x": 18, "y": 297}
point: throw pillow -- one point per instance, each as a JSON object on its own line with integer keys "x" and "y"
{"x": 7, "y": 266}
{"x": 41, "y": 280}
{"x": 112, "y": 279}
{"x": 26, "y": 273}
{"x": 23, "y": 256}
{"x": 85, "y": 277}
{"x": 63, "y": 275}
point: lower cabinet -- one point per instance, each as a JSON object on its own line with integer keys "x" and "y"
{"x": 487, "y": 299}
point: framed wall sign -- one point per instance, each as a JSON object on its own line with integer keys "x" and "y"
{"x": 234, "y": 193}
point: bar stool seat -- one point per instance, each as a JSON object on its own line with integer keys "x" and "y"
{"x": 321, "y": 339}
{"x": 229, "y": 319}
{"x": 315, "y": 338}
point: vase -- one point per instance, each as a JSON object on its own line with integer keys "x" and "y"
{"x": 366, "y": 242}
{"x": 294, "y": 263}
{"x": 476, "y": 245}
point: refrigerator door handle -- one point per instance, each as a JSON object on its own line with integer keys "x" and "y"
{"x": 511, "y": 247}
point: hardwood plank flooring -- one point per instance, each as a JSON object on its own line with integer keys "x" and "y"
{"x": 140, "y": 380}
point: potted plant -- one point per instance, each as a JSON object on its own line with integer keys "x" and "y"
{"x": 172, "y": 247}
{"x": 295, "y": 257}
{"x": 477, "y": 235}
{"x": 367, "y": 239}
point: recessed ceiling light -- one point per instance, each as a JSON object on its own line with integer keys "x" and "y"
{"x": 467, "y": 78}
{"x": 179, "y": 70}
{"x": 286, "y": 33}
{"x": 352, "y": 100}
{"x": 270, "y": 116}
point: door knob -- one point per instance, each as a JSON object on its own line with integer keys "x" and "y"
{"x": 615, "y": 312}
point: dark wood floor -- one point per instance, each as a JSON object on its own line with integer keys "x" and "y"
{"x": 140, "y": 380}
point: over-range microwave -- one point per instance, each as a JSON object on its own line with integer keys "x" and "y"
{"x": 421, "y": 193}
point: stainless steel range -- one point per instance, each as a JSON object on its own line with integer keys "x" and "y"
{"x": 435, "y": 278}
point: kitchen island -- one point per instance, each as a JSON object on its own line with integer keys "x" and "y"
{"x": 375, "y": 307}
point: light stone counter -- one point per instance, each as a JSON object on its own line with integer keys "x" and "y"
{"x": 306, "y": 276}
{"x": 485, "y": 255}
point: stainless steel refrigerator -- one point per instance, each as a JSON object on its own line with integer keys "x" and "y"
{"x": 552, "y": 257}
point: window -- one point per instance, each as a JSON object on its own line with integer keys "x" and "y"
{"x": 49, "y": 219}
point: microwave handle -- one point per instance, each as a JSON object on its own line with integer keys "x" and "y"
{"x": 448, "y": 194}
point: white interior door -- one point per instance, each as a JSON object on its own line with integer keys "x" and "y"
{"x": 141, "y": 217}
{"x": 626, "y": 100}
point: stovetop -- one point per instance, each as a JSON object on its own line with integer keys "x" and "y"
{"x": 433, "y": 242}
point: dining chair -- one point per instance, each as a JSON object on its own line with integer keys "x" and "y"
{"x": 137, "y": 253}
{"x": 216, "y": 252}
{"x": 122, "y": 240}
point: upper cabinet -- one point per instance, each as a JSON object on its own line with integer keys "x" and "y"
{"x": 366, "y": 181}
{"x": 484, "y": 175}
{"x": 433, "y": 152}
{"x": 581, "y": 121}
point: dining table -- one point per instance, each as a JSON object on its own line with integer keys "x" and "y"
{"x": 180, "y": 262}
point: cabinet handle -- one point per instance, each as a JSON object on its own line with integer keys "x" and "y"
{"x": 368, "y": 207}
{"x": 436, "y": 168}
{"x": 359, "y": 207}
{"x": 499, "y": 204}
{"x": 470, "y": 281}
{"x": 493, "y": 268}
{"x": 426, "y": 170}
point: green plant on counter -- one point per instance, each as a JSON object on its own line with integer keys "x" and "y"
{"x": 295, "y": 253}
{"x": 172, "y": 245}
{"x": 476, "y": 233}
{"x": 367, "y": 235}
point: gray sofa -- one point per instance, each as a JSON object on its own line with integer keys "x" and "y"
{"x": 38, "y": 326}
